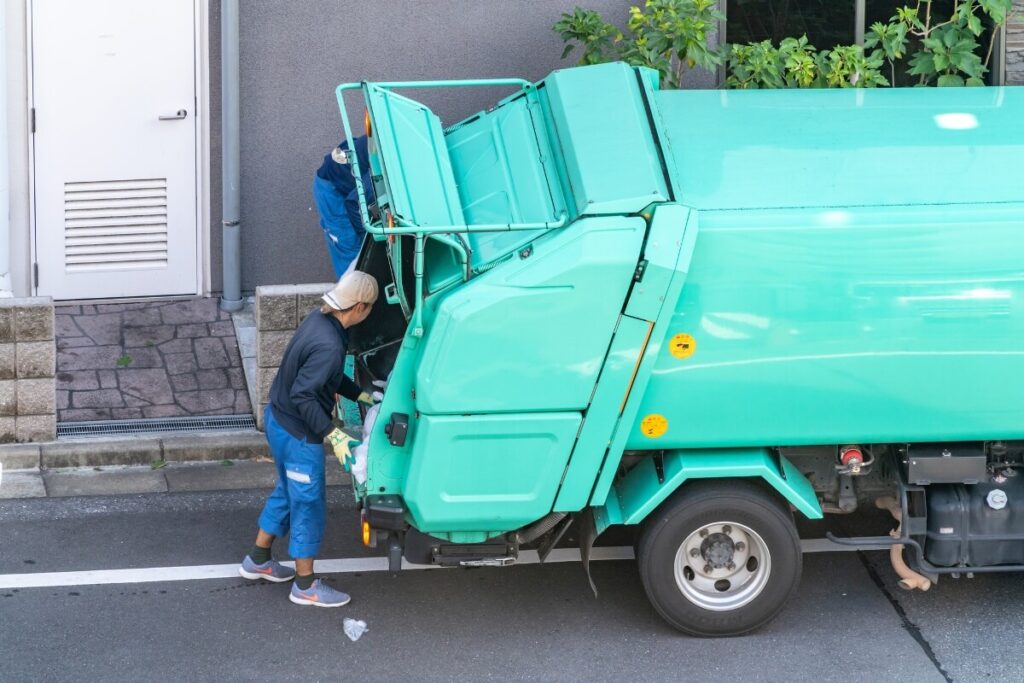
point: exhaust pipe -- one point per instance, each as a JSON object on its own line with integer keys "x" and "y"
{"x": 909, "y": 579}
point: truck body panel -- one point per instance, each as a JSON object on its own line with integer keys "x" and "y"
{"x": 564, "y": 292}
{"x": 762, "y": 149}
{"x": 503, "y": 468}
{"x": 861, "y": 325}
{"x": 605, "y": 140}
{"x": 644, "y": 487}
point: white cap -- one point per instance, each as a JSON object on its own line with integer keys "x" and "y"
{"x": 354, "y": 287}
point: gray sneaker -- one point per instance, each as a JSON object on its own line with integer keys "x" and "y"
{"x": 271, "y": 570}
{"x": 319, "y": 594}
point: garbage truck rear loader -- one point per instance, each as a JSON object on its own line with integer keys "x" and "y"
{"x": 697, "y": 313}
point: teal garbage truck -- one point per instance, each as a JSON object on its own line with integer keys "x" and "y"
{"x": 700, "y": 314}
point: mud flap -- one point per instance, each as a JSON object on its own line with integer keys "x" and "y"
{"x": 553, "y": 537}
{"x": 394, "y": 552}
{"x": 588, "y": 534}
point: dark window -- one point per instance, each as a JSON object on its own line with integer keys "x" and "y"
{"x": 942, "y": 10}
{"x": 883, "y": 10}
{"x": 826, "y": 23}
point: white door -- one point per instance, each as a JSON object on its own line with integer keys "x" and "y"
{"x": 114, "y": 94}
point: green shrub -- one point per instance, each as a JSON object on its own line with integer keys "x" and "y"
{"x": 671, "y": 36}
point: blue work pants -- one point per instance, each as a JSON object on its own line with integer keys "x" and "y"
{"x": 343, "y": 242}
{"x": 299, "y": 502}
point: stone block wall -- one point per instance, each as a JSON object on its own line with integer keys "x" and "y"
{"x": 279, "y": 310}
{"x": 27, "y": 369}
{"x": 1015, "y": 45}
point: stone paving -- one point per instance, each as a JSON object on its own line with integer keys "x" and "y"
{"x": 146, "y": 360}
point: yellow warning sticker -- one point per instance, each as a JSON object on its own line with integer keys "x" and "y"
{"x": 654, "y": 425}
{"x": 682, "y": 345}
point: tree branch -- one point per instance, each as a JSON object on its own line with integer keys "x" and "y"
{"x": 992, "y": 43}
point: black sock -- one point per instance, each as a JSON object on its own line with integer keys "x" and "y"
{"x": 259, "y": 555}
{"x": 304, "y": 582}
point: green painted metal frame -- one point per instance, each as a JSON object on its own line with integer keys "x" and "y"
{"x": 642, "y": 490}
{"x": 404, "y": 226}
{"x": 409, "y": 149}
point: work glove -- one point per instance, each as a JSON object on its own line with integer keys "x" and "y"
{"x": 367, "y": 399}
{"x": 342, "y": 444}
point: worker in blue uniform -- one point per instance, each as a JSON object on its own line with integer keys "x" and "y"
{"x": 337, "y": 202}
{"x": 297, "y": 421}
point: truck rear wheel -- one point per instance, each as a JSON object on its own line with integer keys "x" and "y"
{"x": 720, "y": 558}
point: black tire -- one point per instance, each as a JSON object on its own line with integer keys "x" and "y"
{"x": 699, "y": 503}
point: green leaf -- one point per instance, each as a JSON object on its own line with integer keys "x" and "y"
{"x": 568, "y": 49}
{"x": 974, "y": 24}
{"x": 922, "y": 64}
{"x": 949, "y": 36}
{"x": 124, "y": 361}
{"x": 158, "y": 464}
{"x": 227, "y": 463}
{"x": 975, "y": 82}
{"x": 950, "y": 81}
{"x": 997, "y": 9}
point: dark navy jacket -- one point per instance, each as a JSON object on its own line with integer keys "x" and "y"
{"x": 311, "y": 373}
{"x": 340, "y": 175}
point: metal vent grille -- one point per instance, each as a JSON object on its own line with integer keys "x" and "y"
{"x": 165, "y": 425}
{"x": 115, "y": 225}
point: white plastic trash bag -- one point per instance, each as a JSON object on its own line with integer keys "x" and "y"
{"x": 360, "y": 451}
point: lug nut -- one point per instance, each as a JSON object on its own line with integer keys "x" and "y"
{"x": 730, "y": 566}
{"x": 694, "y": 552}
{"x": 703, "y": 533}
{"x": 726, "y": 529}
{"x": 741, "y": 546}
{"x": 707, "y": 569}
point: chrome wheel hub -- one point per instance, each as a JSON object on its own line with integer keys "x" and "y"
{"x": 722, "y": 566}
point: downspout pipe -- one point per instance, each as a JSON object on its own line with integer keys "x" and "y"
{"x": 231, "y": 299}
{"x": 6, "y": 288}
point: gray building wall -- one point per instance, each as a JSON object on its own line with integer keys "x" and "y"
{"x": 294, "y": 53}
{"x": 1015, "y": 45}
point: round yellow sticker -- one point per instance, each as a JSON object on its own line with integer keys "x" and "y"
{"x": 654, "y": 425}
{"x": 682, "y": 345}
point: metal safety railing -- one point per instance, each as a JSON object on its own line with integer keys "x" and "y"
{"x": 404, "y": 226}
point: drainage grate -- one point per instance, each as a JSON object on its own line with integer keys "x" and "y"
{"x": 163, "y": 425}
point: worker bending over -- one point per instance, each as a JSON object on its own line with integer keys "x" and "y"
{"x": 297, "y": 421}
{"x": 337, "y": 202}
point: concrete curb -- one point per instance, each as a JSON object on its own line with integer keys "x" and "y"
{"x": 170, "y": 478}
{"x": 135, "y": 450}
{"x": 169, "y": 463}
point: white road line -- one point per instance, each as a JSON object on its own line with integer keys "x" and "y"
{"x": 349, "y": 565}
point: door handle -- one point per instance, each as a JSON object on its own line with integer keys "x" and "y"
{"x": 180, "y": 114}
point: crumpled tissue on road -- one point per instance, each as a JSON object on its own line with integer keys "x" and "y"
{"x": 354, "y": 628}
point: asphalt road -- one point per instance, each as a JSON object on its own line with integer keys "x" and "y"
{"x": 528, "y": 622}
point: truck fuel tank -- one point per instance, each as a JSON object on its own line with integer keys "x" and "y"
{"x": 976, "y": 525}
